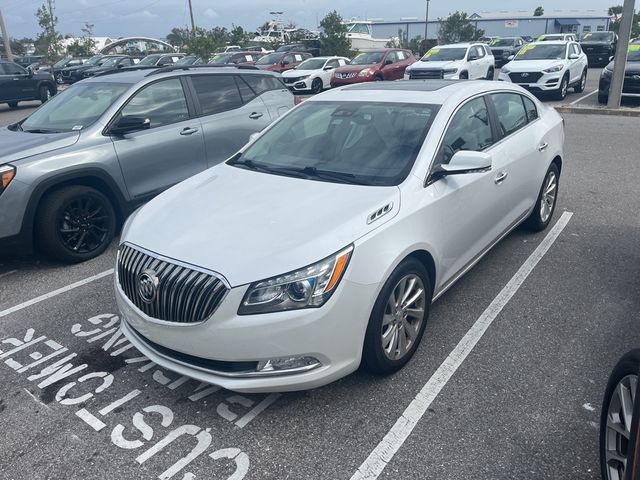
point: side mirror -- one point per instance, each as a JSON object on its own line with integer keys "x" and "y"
{"x": 464, "y": 162}
{"x": 285, "y": 63}
{"x": 472, "y": 58}
{"x": 511, "y": 57}
{"x": 574, "y": 56}
{"x": 128, "y": 124}
{"x": 30, "y": 71}
{"x": 329, "y": 68}
{"x": 388, "y": 62}
{"x": 611, "y": 58}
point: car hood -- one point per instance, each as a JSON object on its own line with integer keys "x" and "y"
{"x": 443, "y": 64}
{"x": 531, "y": 65}
{"x": 356, "y": 68}
{"x": 630, "y": 67}
{"x": 249, "y": 226}
{"x": 593, "y": 44}
{"x": 76, "y": 68}
{"x": 298, "y": 73}
{"x": 15, "y": 146}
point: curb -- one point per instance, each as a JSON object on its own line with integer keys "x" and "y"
{"x": 598, "y": 111}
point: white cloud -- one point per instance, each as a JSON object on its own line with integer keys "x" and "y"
{"x": 211, "y": 13}
{"x": 144, "y": 15}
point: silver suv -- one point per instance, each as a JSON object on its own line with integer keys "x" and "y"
{"x": 74, "y": 169}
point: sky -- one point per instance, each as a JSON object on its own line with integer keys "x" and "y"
{"x": 155, "y": 18}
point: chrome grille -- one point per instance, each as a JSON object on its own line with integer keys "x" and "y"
{"x": 182, "y": 295}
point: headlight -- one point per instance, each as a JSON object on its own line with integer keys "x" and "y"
{"x": 606, "y": 71}
{"x": 309, "y": 287}
{"x": 7, "y": 172}
{"x": 505, "y": 70}
{"x": 450, "y": 71}
{"x": 365, "y": 72}
{"x": 555, "y": 68}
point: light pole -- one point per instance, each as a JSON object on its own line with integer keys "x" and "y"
{"x": 193, "y": 24}
{"x": 426, "y": 26}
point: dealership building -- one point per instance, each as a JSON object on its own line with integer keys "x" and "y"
{"x": 505, "y": 24}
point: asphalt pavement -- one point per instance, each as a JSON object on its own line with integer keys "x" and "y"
{"x": 78, "y": 402}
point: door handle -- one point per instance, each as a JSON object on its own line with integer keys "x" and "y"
{"x": 188, "y": 131}
{"x": 501, "y": 177}
{"x": 542, "y": 147}
{"x": 255, "y": 115}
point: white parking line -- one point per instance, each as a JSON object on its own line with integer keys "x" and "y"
{"x": 582, "y": 98}
{"x": 375, "y": 463}
{"x": 54, "y": 293}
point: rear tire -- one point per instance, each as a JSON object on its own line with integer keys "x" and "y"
{"x": 541, "y": 215}
{"x": 396, "y": 328}
{"x": 74, "y": 224}
{"x": 622, "y": 377}
{"x": 490, "y": 73}
{"x": 13, "y": 105}
{"x": 45, "y": 93}
{"x": 579, "y": 88}
{"x": 603, "y": 98}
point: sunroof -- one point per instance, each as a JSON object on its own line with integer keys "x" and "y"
{"x": 407, "y": 85}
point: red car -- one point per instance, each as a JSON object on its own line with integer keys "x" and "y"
{"x": 282, "y": 61}
{"x": 374, "y": 65}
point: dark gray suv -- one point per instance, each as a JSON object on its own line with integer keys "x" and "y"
{"x": 76, "y": 167}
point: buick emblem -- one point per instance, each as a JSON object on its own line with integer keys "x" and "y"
{"x": 525, "y": 74}
{"x": 148, "y": 285}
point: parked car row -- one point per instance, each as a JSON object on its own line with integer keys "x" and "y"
{"x": 631, "y": 82}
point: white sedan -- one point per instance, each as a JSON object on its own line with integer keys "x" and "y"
{"x": 313, "y": 75}
{"x": 548, "y": 67}
{"x": 321, "y": 245}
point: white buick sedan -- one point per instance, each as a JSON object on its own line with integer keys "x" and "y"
{"x": 321, "y": 245}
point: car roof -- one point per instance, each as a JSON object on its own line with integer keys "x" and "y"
{"x": 552, "y": 42}
{"x": 433, "y": 92}
{"x": 136, "y": 75}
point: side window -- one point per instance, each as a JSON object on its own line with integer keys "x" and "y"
{"x": 480, "y": 52}
{"x": 163, "y": 103}
{"x": 393, "y": 56}
{"x": 245, "y": 90}
{"x": 287, "y": 59}
{"x": 216, "y": 93}
{"x": 401, "y": 55}
{"x": 263, "y": 83}
{"x": 530, "y": 107}
{"x": 510, "y": 111}
{"x": 333, "y": 63}
{"x": 13, "y": 69}
{"x": 469, "y": 130}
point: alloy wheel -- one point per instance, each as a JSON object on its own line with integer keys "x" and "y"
{"x": 403, "y": 317}
{"x": 83, "y": 224}
{"x": 548, "y": 200}
{"x": 618, "y": 433}
{"x": 583, "y": 80}
{"x": 564, "y": 88}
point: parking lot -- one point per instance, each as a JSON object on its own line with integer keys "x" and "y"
{"x": 558, "y": 307}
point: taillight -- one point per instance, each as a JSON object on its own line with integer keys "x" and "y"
{"x": 297, "y": 100}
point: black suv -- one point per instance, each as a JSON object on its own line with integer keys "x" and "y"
{"x": 503, "y": 47}
{"x": 599, "y": 47}
{"x": 66, "y": 62}
{"x": 19, "y": 84}
{"x": 111, "y": 62}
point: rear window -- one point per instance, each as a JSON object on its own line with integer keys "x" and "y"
{"x": 263, "y": 83}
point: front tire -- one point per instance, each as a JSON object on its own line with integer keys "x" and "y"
{"x": 75, "y": 224}
{"x": 13, "y": 105}
{"x": 490, "y": 73}
{"x": 316, "y": 86}
{"x": 616, "y": 419}
{"x": 464, "y": 76}
{"x": 603, "y": 98}
{"x": 546, "y": 202}
{"x": 579, "y": 88}
{"x": 398, "y": 319}
{"x": 44, "y": 93}
{"x": 562, "y": 91}
{"x": 378, "y": 78}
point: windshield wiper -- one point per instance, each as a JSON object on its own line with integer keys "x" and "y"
{"x": 313, "y": 172}
{"x": 260, "y": 167}
{"x": 41, "y": 130}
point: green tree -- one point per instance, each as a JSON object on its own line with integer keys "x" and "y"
{"x": 17, "y": 47}
{"x": 457, "y": 27}
{"x": 85, "y": 46}
{"x": 204, "y": 43}
{"x": 179, "y": 37}
{"x": 48, "y": 40}
{"x": 539, "y": 11}
{"x": 239, "y": 36}
{"x": 333, "y": 39}
{"x": 616, "y": 12}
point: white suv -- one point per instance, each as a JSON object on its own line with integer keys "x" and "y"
{"x": 456, "y": 61}
{"x": 324, "y": 241}
{"x": 548, "y": 67}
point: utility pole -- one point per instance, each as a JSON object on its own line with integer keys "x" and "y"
{"x": 620, "y": 61}
{"x": 193, "y": 24}
{"x": 5, "y": 37}
{"x": 426, "y": 27}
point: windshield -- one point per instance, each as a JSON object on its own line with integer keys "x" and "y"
{"x": 502, "y": 42}
{"x": 61, "y": 63}
{"x": 312, "y": 64}
{"x": 75, "y": 108}
{"x": 597, "y": 37}
{"x": 109, "y": 62}
{"x": 187, "y": 61}
{"x": 149, "y": 60}
{"x": 541, "y": 52}
{"x": 94, "y": 60}
{"x": 346, "y": 142}
{"x": 549, "y": 38}
{"x": 368, "y": 58}
{"x": 220, "y": 58}
{"x": 358, "y": 28}
{"x": 444, "y": 54}
{"x": 633, "y": 55}
{"x": 270, "y": 59}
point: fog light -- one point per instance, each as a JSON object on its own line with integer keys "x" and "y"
{"x": 299, "y": 364}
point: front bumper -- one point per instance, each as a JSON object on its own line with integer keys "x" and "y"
{"x": 300, "y": 85}
{"x": 630, "y": 87}
{"x": 339, "y": 82}
{"x": 546, "y": 83}
{"x": 333, "y": 334}
{"x": 598, "y": 58}
{"x": 13, "y": 207}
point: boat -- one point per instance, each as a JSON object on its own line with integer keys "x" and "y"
{"x": 360, "y": 36}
